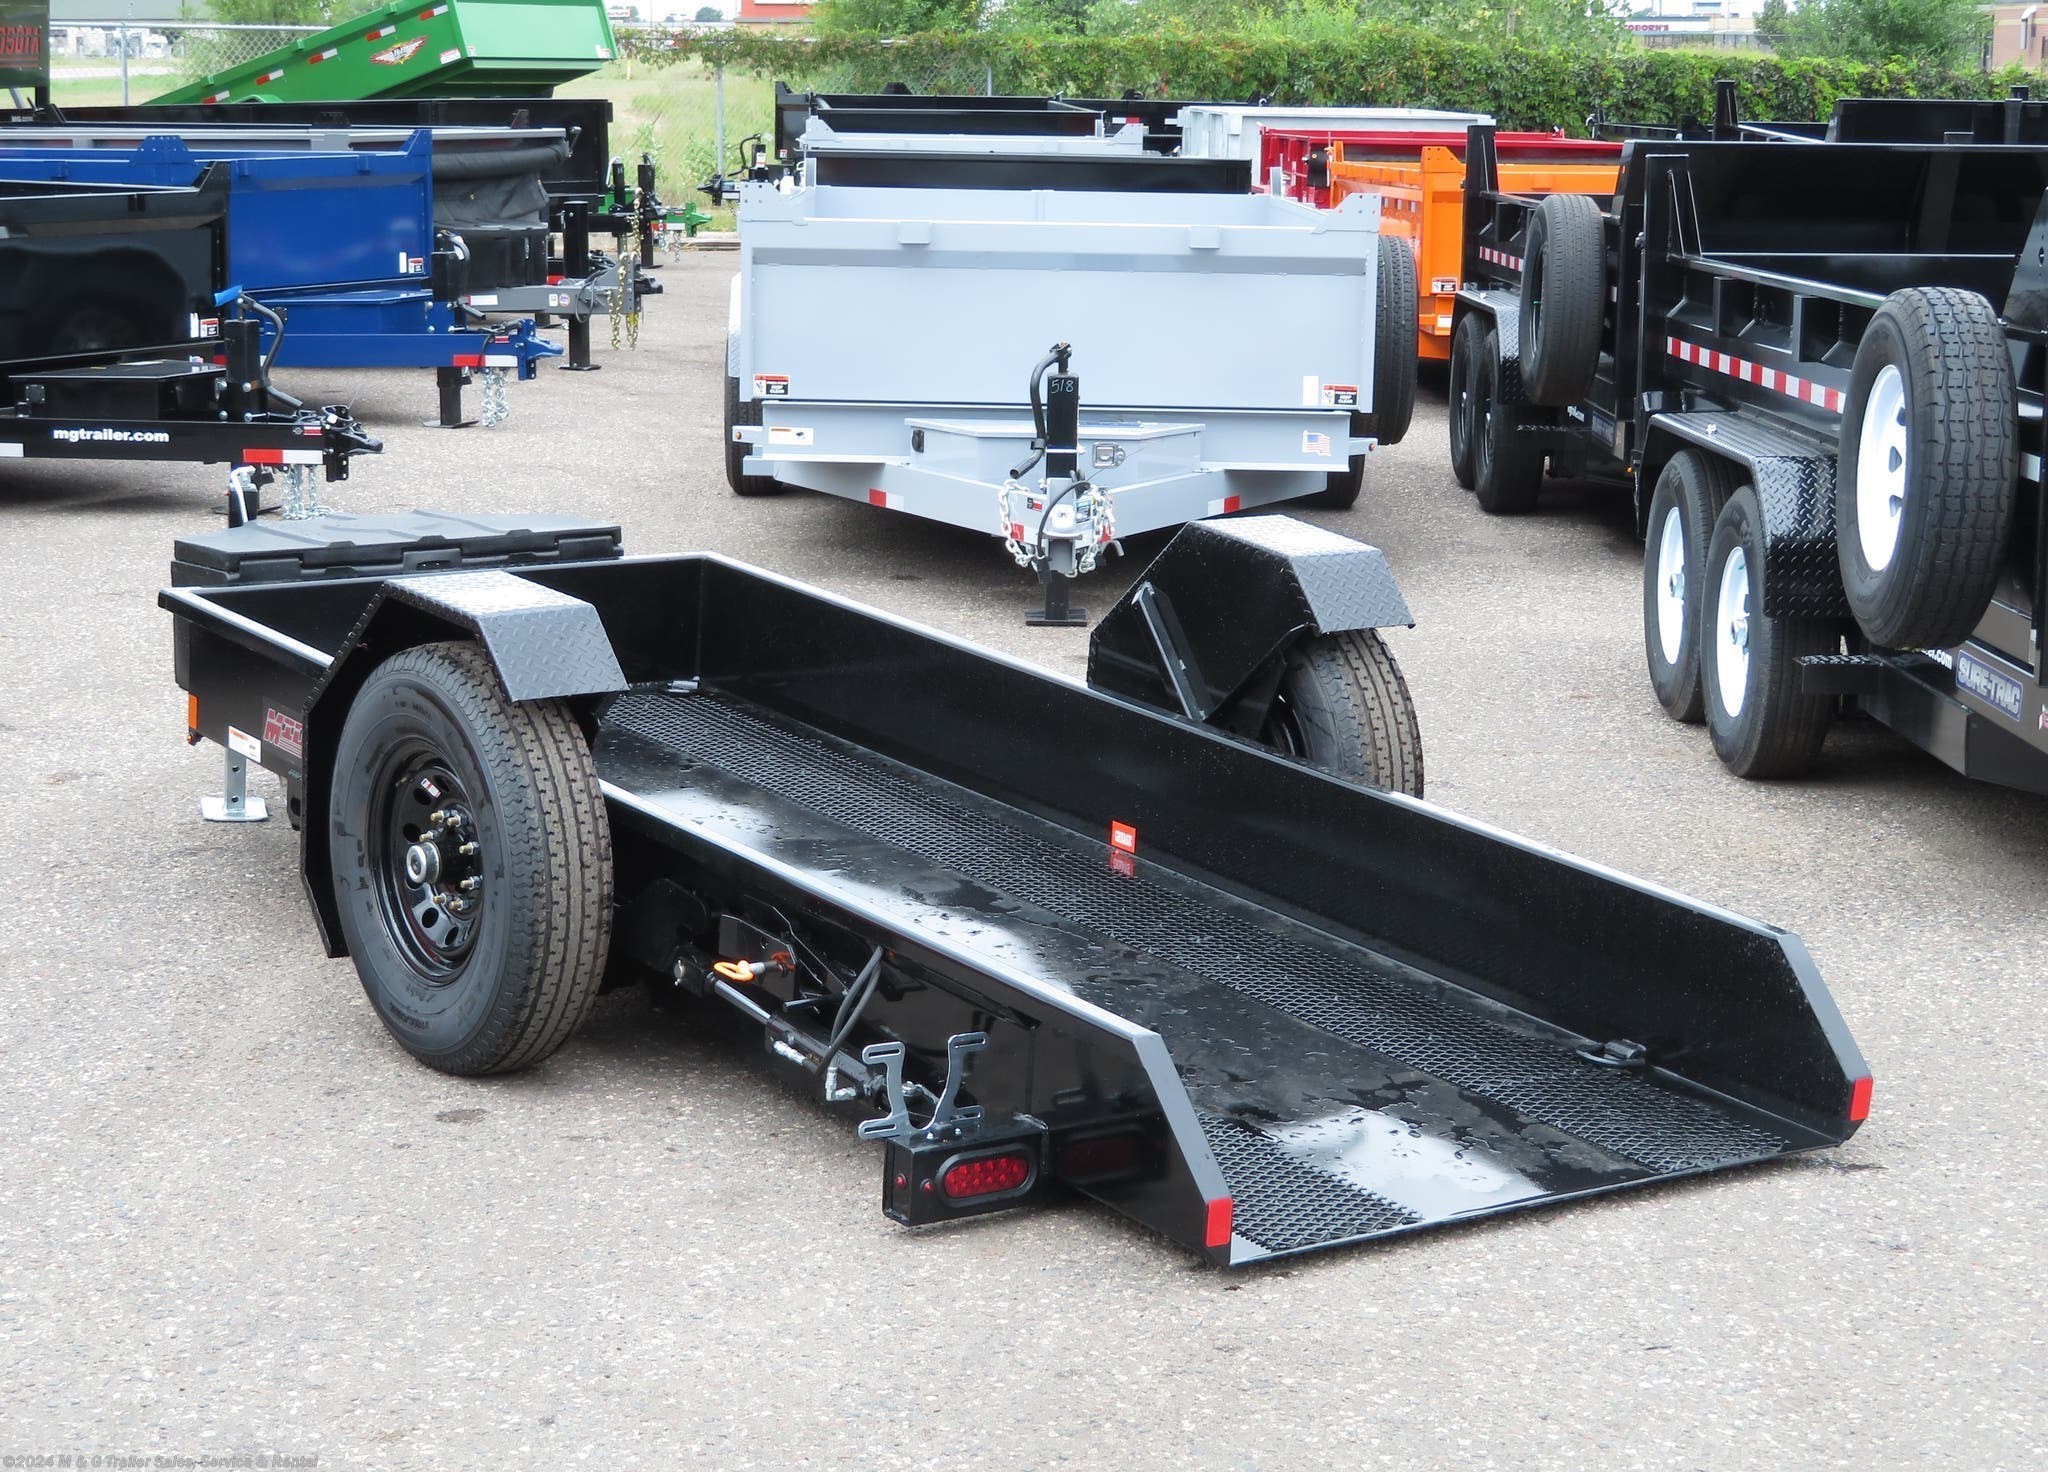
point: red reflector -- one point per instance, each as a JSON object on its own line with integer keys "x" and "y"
{"x": 1123, "y": 836}
{"x": 878, "y": 498}
{"x": 1218, "y": 1234}
{"x": 986, "y": 1176}
{"x": 467, "y": 360}
{"x": 1859, "y": 1100}
{"x": 1016, "y": 531}
{"x": 1232, "y": 503}
{"x": 263, "y": 457}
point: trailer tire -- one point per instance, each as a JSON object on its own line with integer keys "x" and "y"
{"x": 737, "y": 413}
{"x": 1507, "y": 471}
{"x": 1924, "y": 502}
{"x": 1394, "y": 335}
{"x": 1343, "y": 706}
{"x": 1761, "y": 722}
{"x": 1340, "y": 491}
{"x": 1564, "y": 298}
{"x": 1467, "y": 343}
{"x": 1690, "y": 494}
{"x": 433, "y": 757}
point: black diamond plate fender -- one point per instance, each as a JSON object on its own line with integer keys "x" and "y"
{"x": 1225, "y": 602}
{"x": 1504, "y": 310}
{"x": 545, "y": 645}
{"x": 1795, "y": 485}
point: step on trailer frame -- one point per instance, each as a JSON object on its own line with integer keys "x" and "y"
{"x": 1818, "y": 363}
{"x": 119, "y": 340}
{"x": 1038, "y": 935}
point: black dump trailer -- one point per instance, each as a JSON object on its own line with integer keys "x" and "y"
{"x": 121, "y": 340}
{"x": 586, "y": 184}
{"x": 770, "y": 158}
{"x": 902, "y": 111}
{"x": 1036, "y": 935}
{"x": 1821, "y": 365}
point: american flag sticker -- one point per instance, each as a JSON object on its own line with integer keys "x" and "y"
{"x": 1313, "y": 443}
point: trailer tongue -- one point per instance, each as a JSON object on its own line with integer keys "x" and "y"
{"x": 1038, "y": 935}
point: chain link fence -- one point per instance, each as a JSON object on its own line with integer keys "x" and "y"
{"x": 692, "y": 117}
{"x": 104, "y": 61}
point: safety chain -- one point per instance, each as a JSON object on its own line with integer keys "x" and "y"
{"x": 497, "y": 399}
{"x": 302, "y": 493}
{"x": 615, "y": 304}
{"x": 1094, "y": 515}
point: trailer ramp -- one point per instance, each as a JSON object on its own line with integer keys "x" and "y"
{"x": 1343, "y": 1094}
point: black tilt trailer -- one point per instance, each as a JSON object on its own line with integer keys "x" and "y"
{"x": 1039, "y": 935}
{"x": 1822, "y": 364}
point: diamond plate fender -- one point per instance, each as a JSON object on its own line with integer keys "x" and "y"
{"x": 1795, "y": 485}
{"x": 1226, "y": 601}
{"x": 545, "y": 645}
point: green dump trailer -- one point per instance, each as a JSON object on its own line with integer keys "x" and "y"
{"x": 425, "y": 48}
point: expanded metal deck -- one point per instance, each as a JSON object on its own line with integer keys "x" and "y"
{"x": 1407, "y": 1101}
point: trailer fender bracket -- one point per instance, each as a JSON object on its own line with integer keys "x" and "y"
{"x": 1224, "y": 604}
{"x": 544, "y": 645}
{"x": 1795, "y": 486}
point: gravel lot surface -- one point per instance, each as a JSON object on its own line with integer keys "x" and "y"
{"x": 234, "y": 1218}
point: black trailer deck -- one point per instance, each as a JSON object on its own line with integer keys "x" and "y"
{"x": 1252, "y": 1006}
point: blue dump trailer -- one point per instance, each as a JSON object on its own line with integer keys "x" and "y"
{"x": 341, "y": 245}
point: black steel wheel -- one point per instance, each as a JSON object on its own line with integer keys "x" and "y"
{"x": 749, "y": 413}
{"x": 1467, "y": 345}
{"x": 1564, "y": 297}
{"x": 1762, "y": 723}
{"x": 1394, "y": 333}
{"x": 1507, "y": 471}
{"x": 1340, "y": 493}
{"x": 1689, "y": 497}
{"x": 472, "y": 862}
{"x": 1343, "y": 706}
{"x": 1926, "y": 486}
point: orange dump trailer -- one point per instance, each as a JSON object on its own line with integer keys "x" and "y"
{"x": 1420, "y": 179}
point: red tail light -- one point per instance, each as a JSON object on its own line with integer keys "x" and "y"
{"x": 986, "y": 1175}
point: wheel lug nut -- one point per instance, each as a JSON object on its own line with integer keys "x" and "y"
{"x": 471, "y": 883}
{"x": 468, "y": 850}
{"x": 437, "y": 816}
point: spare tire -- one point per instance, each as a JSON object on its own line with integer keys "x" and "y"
{"x": 1393, "y": 343}
{"x": 1929, "y": 462}
{"x": 1564, "y": 296}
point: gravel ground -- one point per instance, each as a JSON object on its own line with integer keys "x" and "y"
{"x": 238, "y": 1220}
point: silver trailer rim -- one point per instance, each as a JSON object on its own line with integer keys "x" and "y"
{"x": 1671, "y": 586}
{"x": 1881, "y": 469}
{"x": 1731, "y": 617}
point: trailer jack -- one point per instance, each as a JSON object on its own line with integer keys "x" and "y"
{"x": 1060, "y": 528}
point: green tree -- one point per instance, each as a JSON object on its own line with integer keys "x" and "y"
{"x": 895, "y": 17}
{"x": 709, "y": 12}
{"x": 274, "y": 12}
{"x": 1772, "y": 24}
{"x": 1933, "y": 32}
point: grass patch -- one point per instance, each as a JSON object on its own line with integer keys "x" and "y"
{"x": 671, "y": 113}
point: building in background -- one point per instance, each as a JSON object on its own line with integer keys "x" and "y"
{"x": 2019, "y": 36}
{"x": 765, "y": 13}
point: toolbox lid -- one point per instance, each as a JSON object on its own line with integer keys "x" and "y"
{"x": 341, "y": 545}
